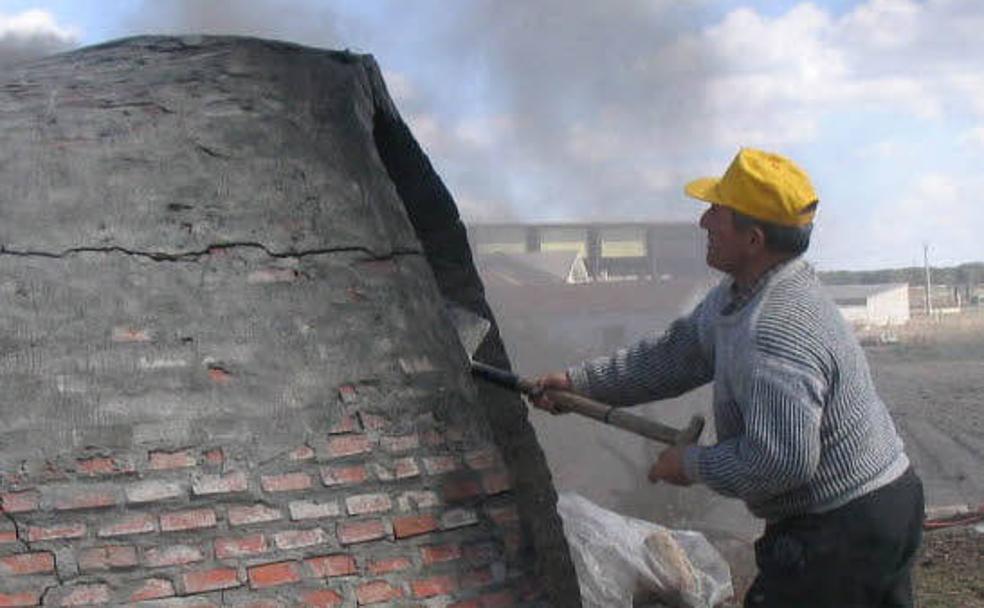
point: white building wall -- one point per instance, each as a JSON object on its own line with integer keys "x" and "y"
{"x": 890, "y": 307}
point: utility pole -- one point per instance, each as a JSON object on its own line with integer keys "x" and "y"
{"x": 929, "y": 281}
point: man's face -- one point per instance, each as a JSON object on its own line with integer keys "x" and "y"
{"x": 727, "y": 246}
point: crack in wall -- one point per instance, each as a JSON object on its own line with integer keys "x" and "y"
{"x": 18, "y": 533}
{"x": 195, "y": 256}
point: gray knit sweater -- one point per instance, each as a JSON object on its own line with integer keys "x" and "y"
{"x": 800, "y": 428}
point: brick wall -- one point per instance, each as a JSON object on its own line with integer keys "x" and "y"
{"x": 228, "y": 375}
{"x": 368, "y": 512}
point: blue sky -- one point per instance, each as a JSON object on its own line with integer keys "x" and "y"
{"x": 554, "y": 110}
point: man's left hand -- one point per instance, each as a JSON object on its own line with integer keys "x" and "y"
{"x": 669, "y": 468}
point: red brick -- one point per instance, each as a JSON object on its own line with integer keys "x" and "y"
{"x": 136, "y": 524}
{"x": 302, "y": 453}
{"x": 458, "y": 518}
{"x": 219, "y": 375}
{"x": 461, "y": 488}
{"x": 348, "y": 445}
{"x": 345, "y": 424}
{"x": 347, "y": 393}
{"x": 331, "y": 565}
{"x": 152, "y": 491}
{"x": 27, "y": 563}
{"x": 418, "y": 499}
{"x": 104, "y": 558}
{"x": 214, "y": 457}
{"x": 84, "y": 595}
{"x": 375, "y": 592}
{"x": 175, "y": 555}
{"x": 220, "y": 484}
{"x": 373, "y": 422}
{"x": 22, "y": 598}
{"x": 8, "y": 536}
{"x": 350, "y": 533}
{"x": 389, "y": 564}
{"x": 439, "y": 553}
{"x": 152, "y": 589}
{"x": 192, "y": 519}
{"x": 130, "y": 334}
{"x": 202, "y": 581}
{"x": 403, "y": 443}
{"x": 254, "y": 514}
{"x": 20, "y": 502}
{"x": 70, "y": 499}
{"x": 181, "y": 459}
{"x": 226, "y": 548}
{"x": 439, "y": 465}
{"x": 295, "y": 539}
{"x": 413, "y": 525}
{"x": 36, "y": 533}
{"x": 288, "y": 482}
{"x": 429, "y": 587}
{"x": 366, "y": 504}
{"x": 307, "y": 509}
{"x": 103, "y": 466}
{"x": 496, "y": 482}
{"x": 322, "y": 598}
{"x": 335, "y": 476}
{"x": 272, "y": 575}
{"x": 402, "y": 468}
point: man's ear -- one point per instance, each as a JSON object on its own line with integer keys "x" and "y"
{"x": 756, "y": 237}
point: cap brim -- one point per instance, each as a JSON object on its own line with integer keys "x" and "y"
{"x": 705, "y": 189}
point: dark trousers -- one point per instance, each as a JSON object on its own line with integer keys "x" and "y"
{"x": 859, "y": 555}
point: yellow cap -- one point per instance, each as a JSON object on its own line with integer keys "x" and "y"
{"x": 766, "y": 186}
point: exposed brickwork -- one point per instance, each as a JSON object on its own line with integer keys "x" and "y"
{"x": 119, "y": 518}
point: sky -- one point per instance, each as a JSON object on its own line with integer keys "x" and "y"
{"x": 580, "y": 110}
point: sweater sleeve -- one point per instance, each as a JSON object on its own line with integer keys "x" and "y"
{"x": 780, "y": 448}
{"x": 651, "y": 369}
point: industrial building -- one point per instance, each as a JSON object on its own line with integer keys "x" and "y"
{"x": 611, "y": 251}
{"x": 872, "y": 305}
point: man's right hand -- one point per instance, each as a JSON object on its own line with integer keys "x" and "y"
{"x": 546, "y": 382}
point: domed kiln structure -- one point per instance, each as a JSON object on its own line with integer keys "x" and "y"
{"x": 228, "y": 374}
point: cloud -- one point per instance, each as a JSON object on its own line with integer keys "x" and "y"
{"x": 32, "y": 34}
{"x": 933, "y": 209}
{"x": 973, "y": 136}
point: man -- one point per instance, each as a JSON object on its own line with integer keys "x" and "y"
{"x": 802, "y": 437}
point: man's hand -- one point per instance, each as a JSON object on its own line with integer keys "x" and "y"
{"x": 669, "y": 467}
{"x": 552, "y": 381}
